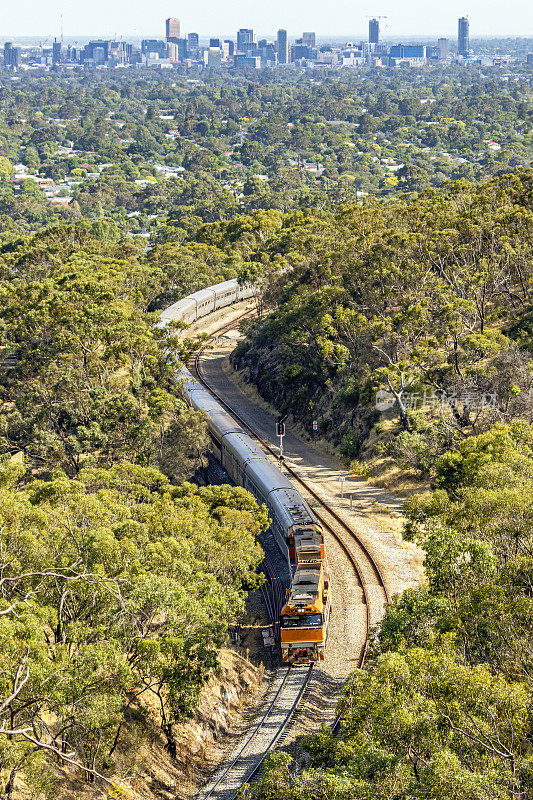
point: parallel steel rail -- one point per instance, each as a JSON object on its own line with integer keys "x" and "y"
{"x": 286, "y": 722}
{"x": 293, "y": 473}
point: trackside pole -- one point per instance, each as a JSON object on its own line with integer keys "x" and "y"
{"x": 280, "y": 432}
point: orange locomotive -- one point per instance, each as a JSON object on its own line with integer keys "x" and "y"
{"x": 305, "y": 616}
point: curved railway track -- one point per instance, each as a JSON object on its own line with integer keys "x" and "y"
{"x": 326, "y": 507}
{"x": 282, "y": 708}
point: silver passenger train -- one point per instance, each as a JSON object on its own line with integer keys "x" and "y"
{"x": 206, "y": 301}
{"x": 248, "y": 466}
{"x": 293, "y": 522}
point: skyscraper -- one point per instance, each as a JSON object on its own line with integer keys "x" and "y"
{"x": 245, "y": 39}
{"x": 373, "y": 31}
{"x": 173, "y": 52}
{"x": 172, "y": 29}
{"x": 11, "y": 55}
{"x": 283, "y": 50}
{"x": 90, "y": 51}
{"x": 149, "y": 46}
{"x": 193, "y": 44}
{"x": 8, "y": 48}
{"x": 444, "y": 49}
{"x": 56, "y": 52}
{"x": 463, "y": 37}
{"x": 309, "y": 38}
{"x": 213, "y": 57}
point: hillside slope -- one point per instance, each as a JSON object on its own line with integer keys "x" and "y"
{"x": 403, "y": 327}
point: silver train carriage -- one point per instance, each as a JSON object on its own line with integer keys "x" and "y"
{"x": 205, "y": 301}
{"x": 248, "y": 466}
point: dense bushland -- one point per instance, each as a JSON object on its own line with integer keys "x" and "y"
{"x": 425, "y": 299}
{"x": 444, "y": 706}
{"x": 86, "y": 377}
{"x": 114, "y": 586}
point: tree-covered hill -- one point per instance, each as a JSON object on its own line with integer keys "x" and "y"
{"x": 444, "y": 706}
{"x": 114, "y": 586}
{"x": 118, "y": 580}
{"x": 425, "y": 299}
{"x": 86, "y": 379}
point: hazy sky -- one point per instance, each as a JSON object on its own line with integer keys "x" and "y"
{"x": 219, "y": 17}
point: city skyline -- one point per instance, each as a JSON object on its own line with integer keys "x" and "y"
{"x": 248, "y": 51}
{"x": 129, "y": 20}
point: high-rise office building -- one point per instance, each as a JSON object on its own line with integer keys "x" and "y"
{"x": 215, "y": 42}
{"x": 242, "y": 61}
{"x": 283, "y": 48}
{"x": 309, "y": 39}
{"x": 373, "y": 31}
{"x": 11, "y": 55}
{"x": 463, "y": 36}
{"x": 155, "y": 46}
{"x": 213, "y": 57}
{"x": 267, "y": 51}
{"x": 299, "y": 52}
{"x": 56, "y": 52}
{"x": 119, "y": 53}
{"x": 99, "y": 56}
{"x": 245, "y": 40}
{"x": 444, "y": 49}
{"x": 193, "y": 44}
{"x": 90, "y": 51}
{"x": 408, "y": 52}
{"x": 230, "y": 46}
{"x": 172, "y": 29}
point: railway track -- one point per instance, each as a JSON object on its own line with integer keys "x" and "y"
{"x": 267, "y": 733}
{"x": 281, "y": 711}
{"x": 325, "y": 513}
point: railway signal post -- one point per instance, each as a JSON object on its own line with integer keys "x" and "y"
{"x": 280, "y": 432}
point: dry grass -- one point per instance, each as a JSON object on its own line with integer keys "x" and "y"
{"x": 385, "y": 474}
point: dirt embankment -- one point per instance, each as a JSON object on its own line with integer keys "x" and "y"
{"x": 144, "y": 769}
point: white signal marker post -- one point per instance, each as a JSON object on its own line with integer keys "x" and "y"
{"x": 341, "y": 481}
{"x": 280, "y": 431}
